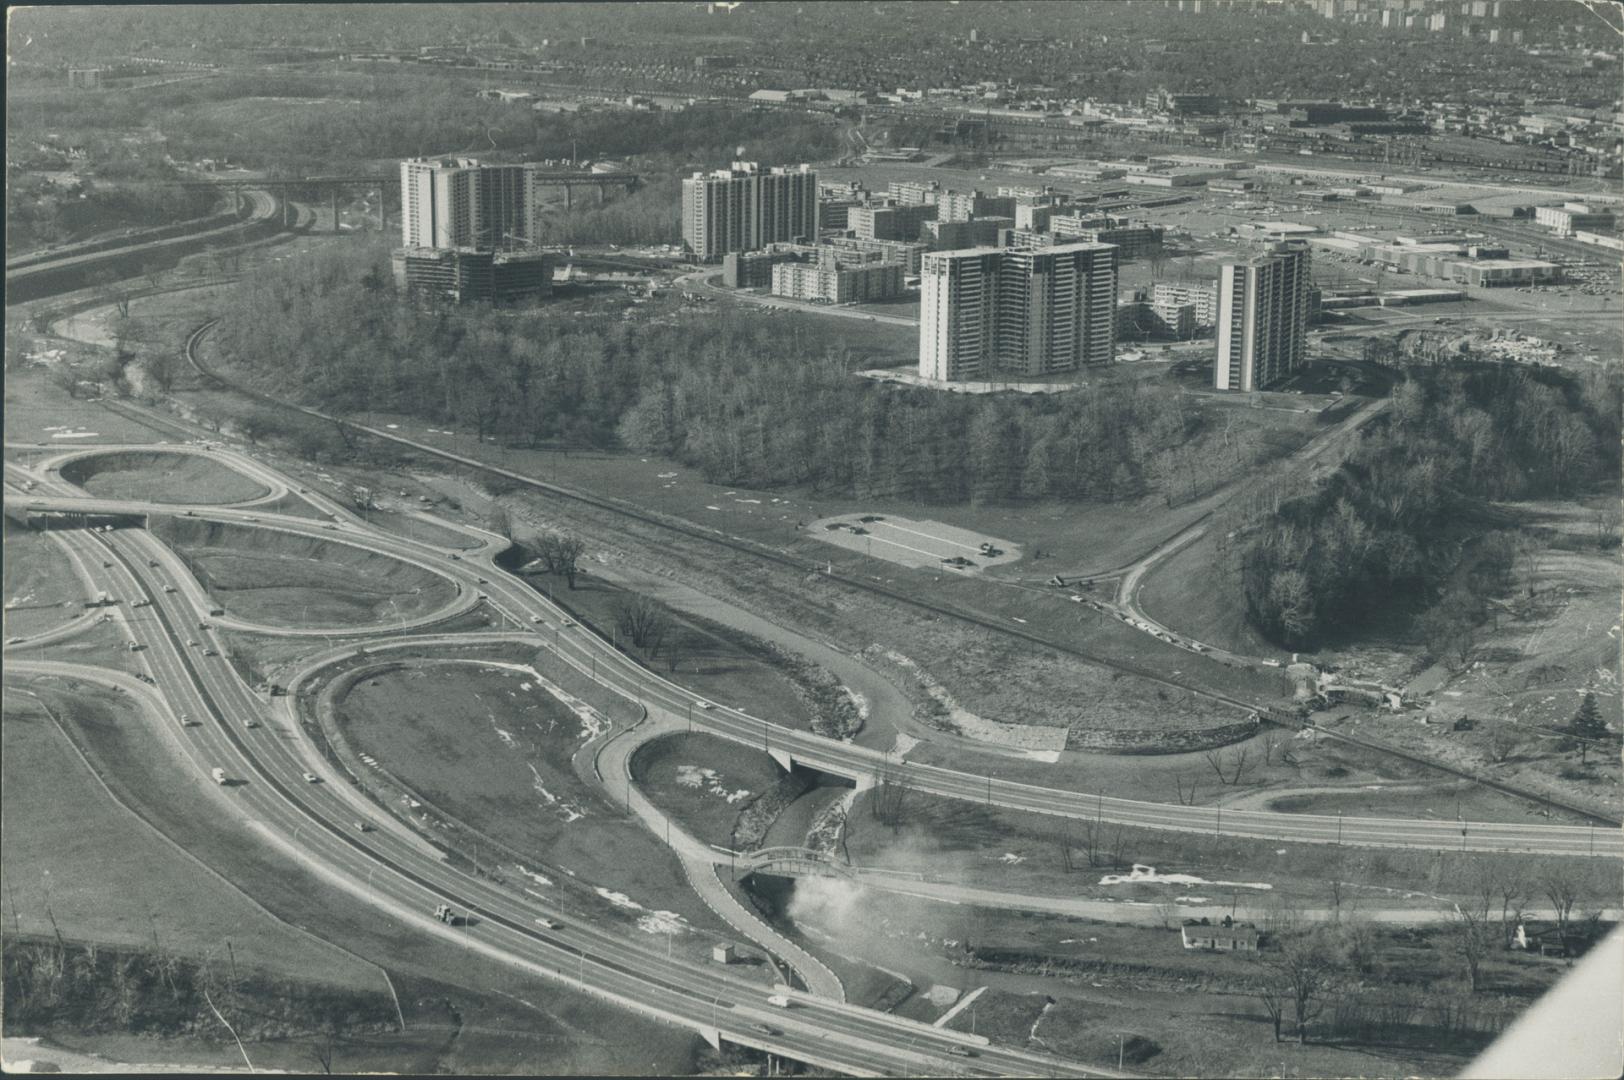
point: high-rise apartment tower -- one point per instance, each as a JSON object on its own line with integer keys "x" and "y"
{"x": 744, "y": 208}
{"x": 1262, "y": 317}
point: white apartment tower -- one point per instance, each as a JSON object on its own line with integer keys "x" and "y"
{"x": 460, "y": 203}
{"x": 744, "y": 208}
{"x": 1262, "y": 320}
{"x": 992, "y": 310}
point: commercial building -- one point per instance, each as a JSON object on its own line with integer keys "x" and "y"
{"x": 987, "y": 310}
{"x": 745, "y": 208}
{"x": 1496, "y": 273}
{"x": 826, "y": 281}
{"x": 467, "y": 275}
{"x": 889, "y": 222}
{"x": 1262, "y": 320}
{"x": 967, "y": 205}
{"x": 1571, "y": 217}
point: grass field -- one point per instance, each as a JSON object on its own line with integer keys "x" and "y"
{"x": 513, "y": 1023}
{"x": 490, "y": 747}
{"x": 279, "y": 579}
{"x": 1007, "y": 849}
{"x": 161, "y": 477}
{"x": 1186, "y": 593}
{"x": 37, "y": 411}
{"x": 703, "y": 782}
{"x": 104, "y": 874}
{"x": 41, "y": 590}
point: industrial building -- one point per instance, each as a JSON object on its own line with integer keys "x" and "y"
{"x": 1262, "y": 320}
{"x": 827, "y": 281}
{"x": 744, "y": 208}
{"x": 468, "y": 275}
{"x": 1032, "y": 313}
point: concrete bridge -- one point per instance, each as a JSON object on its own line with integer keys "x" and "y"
{"x": 794, "y": 862}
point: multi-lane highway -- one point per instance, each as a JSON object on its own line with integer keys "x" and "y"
{"x": 260, "y": 748}
{"x": 241, "y": 732}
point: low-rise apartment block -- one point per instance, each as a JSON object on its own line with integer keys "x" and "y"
{"x": 826, "y": 281}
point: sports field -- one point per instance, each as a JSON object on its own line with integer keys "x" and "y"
{"x": 925, "y": 544}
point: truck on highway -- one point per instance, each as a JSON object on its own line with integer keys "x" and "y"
{"x": 219, "y": 776}
{"x": 779, "y": 1001}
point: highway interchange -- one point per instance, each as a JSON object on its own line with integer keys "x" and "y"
{"x": 258, "y": 740}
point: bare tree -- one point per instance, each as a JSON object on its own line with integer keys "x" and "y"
{"x": 1186, "y": 798}
{"x": 1236, "y": 760}
{"x": 1503, "y": 743}
{"x": 1470, "y": 937}
{"x": 1605, "y": 526}
{"x": 641, "y": 620}
{"x": 560, "y": 554}
{"x": 1304, "y": 966}
{"x": 1561, "y": 886}
{"x": 1274, "y": 1003}
{"x": 1062, "y": 840}
{"x": 500, "y": 521}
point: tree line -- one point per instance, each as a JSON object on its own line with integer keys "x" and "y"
{"x": 1407, "y": 524}
{"x": 743, "y": 399}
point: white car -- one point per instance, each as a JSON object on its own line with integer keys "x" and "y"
{"x": 535, "y": 618}
{"x": 704, "y": 705}
{"x": 311, "y": 778}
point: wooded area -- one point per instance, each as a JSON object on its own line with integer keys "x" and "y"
{"x": 747, "y": 400}
{"x": 1406, "y": 526}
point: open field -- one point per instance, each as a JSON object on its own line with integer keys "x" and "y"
{"x": 918, "y": 544}
{"x": 37, "y": 411}
{"x": 1188, "y": 593}
{"x": 703, "y": 782}
{"x": 160, "y": 477}
{"x": 284, "y": 580}
{"x": 42, "y": 591}
{"x": 492, "y": 747}
{"x": 105, "y": 875}
{"x": 1014, "y": 850}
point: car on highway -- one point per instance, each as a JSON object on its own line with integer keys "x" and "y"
{"x": 566, "y": 624}
{"x": 361, "y": 826}
{"x": 192, "y": 642}
{"x": 250, "y": 723}
{"x": 535, "y": 618}
{"x": 961, "y": 1051}
{"x": 311, "y": 778}
{"x": 481, "y": 596}
{"x": 778, "y": 1001}
{"x": 547, "y": 923}
{"x": 210, "y": 652}
{"x": 14, "y": 641}
{"x": 766, "y": 1029}
{"x": 153, "y": 563}
{"x": 169, "y": 588}
{"x": 703, "y": 704}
